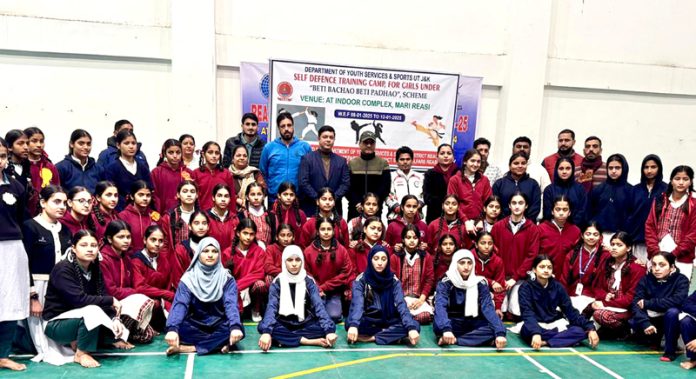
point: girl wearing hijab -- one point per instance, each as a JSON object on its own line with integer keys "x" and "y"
{"x": 295, "y": 314}
{"x": 204, "y": 316}
{"x": 461, "y": 289}
{"x": 378, "y": 312}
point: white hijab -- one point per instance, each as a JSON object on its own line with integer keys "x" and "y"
{"x": 470, "y": 285}
{"x": 286, "y": 306}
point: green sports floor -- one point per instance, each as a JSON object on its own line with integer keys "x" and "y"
{"x": 427, "y": 360}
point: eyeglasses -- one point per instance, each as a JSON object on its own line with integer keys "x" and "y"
{"x": 84, "y": 201}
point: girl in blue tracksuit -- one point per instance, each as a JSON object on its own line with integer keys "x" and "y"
{"x": 517, "y": 179}
{"x": 543, "y": 323}
{"x": 464, "y": 311}
{"x": 295, "y": 314}
{"x": 378, "y": 312}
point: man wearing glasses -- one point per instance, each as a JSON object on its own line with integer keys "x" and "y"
{"x": 249, "y": 137}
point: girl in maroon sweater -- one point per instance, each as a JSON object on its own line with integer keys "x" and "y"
{"x": 448, "y": 223}
{"x": 372, "y": 234}
{"x": 558, "y": 236}
{"x": 139, "y": 213}
{"x": 43, "y": 172}
{"x": 245, "y": 261}
{"x": 180, "y": 257}
{"x": 175, "y": 222}
{"x": 211, "y": 173}
{"x": 490, "y": 266}
{"x": 581, "y": 265}
{"x": 222, "y": 221}
{"x": 471, "y": 187}
{"x": 106, "y": 195}
{"x": 446, "y": 246}
{"x": 79, "y": 208}
{"x": 326, "y": 207}
{"x": 265, "y": 219}
{"x": 152, "y": 275}
{"x": 170, "y": 171}
{"x": 517, "y": 242}
{"x": 117, "y": 269}
{"x": 287, "y": 209}
{"x": 328, "y": 263}
{"x": 274, "y": 253}
{"x": 409, "y": 216}
{"x": 491, "y": 214}
{"x": 414, "y": 268}
{"x": 615, "y": 285}
{"x": 369, "y": 207}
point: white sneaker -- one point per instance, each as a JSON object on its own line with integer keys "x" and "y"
{"x": 255, "y": 316}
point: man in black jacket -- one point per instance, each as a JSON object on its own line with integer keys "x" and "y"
{"x": 249, "y": 137}
{"x": 368, "y": 173}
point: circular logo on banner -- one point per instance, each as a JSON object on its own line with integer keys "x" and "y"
{"x": 264, "y": 86}
{"x": 284, "y": 90}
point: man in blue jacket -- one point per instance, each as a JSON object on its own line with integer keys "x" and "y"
{"x": 280, "y": 159}
{"x": 323, "y": 168}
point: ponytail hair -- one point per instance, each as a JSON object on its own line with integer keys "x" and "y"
{"x": 94, "y": 267}
{"x": 317, "y": 240}
{"x": 243, "y": 224}
{"x": 76, "y": 135}
{"x": 628, "y": 241}
{"x": 99, "y": 190}
{"x": 202, "y": 163}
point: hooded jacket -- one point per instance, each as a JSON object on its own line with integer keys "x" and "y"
{"x": 506, "y": 186}
{"x": 658, "y": 296}
{"x": 165, "y": 181}
{"x": 572, "y": 190}
{"x": 643, "y": 199}
{"x": 471, "y": 196}
{"x": 611, "y": 203}
{"x": 110, "y": 154}
{"x": 435, "y": 183}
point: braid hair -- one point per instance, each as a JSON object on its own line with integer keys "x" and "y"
{"x": 317, "y": 240}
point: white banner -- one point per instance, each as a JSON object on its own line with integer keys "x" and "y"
{"x": 403, "y": 108}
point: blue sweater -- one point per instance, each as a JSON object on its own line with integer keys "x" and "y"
{"x": 365, "y": 306}
{"x": 658, "y": 296}
{"x": 206, "y": 317}
{"x": 450, "y": 302}
{"x": 314, "y": 310}
{"x": 72, "y": 174}
{"x": 690, "y": 305}
{"x": 643, "y": 199}
{"x": 110, "y": 154}
{"x": 312, "y": 178}
{"x": 281, "y": 163}
{"x": 540, "y": 304}
{"x": 12, "y": 215}
{"x": 117, "y": 173}
{"x": 611, "y": 203}
{"x": 506, "y": 186}
{"x": 38, "y": 242}
{"x": 574, "y": 192}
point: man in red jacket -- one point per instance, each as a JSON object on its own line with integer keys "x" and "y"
{"x": 566, "y": 142}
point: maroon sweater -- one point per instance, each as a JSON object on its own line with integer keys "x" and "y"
{"x": 331, "y": 275}
{"x": 165, "y": 181}
{"x": 427, "y": 279}
{"x": 627, "y": 289}
{"x": 138, "y": 223}
{"x": 516, "y": 250}
{"x": 155, "y": 284}
{"x": 570, "y": 278}
{"x": 72, "y": 224}
{"x": 118, "y": 273}
{"x": 309, "y": 232}
{"x": 471, "y": 195}
{"x": 436, "y": 231}
{"x": 493, "y": 270}
{"x": 684, "y": 252}
{"x": 557, "y": 244}
{"x": 206, "y": 181}
{"x": 397, "y": 226}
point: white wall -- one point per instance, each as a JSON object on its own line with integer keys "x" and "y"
{"x": 624, "y": 70}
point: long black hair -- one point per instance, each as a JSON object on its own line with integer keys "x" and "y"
{"x": 662, "y": 200}
{"x": 317, "y": 240}
{"x": 94, "y": 267}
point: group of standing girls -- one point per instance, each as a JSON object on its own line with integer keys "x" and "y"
{"x": 119, "y": 254}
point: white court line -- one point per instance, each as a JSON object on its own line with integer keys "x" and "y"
{"x": 598, "y": 365}
{"x": 189, "y": 366}
{"x": 538, "y": 365}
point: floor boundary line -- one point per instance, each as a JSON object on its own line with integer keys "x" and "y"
{"x": 188, "y": 374}
{"x": 538, "y": 365}
{"x": 598, "y": 365}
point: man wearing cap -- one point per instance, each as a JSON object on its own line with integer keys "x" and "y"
{"x": 323, "y": 168}
{"x": 368, "y": 173}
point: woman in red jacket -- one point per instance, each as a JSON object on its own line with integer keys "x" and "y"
{"x": 557, "y": 237}
{"x": 614, "y": 287}
{"x": 328, "y": 263}
{"x": 222, "y": 221}
{"x": 448, "y": 223}
{"x": 471, "y": 187}
{"x": 139, "y": 213}
{"x": 151, "y": 275}
{"x": 245, "y": 261}
{"x": 117, "y": 269}
{"x": 211, "y": 173}
{"x": 671, "y": 224}
{"x": 414, "y": 268}
{"x": 581, "y": 265}
{"x": 516, "y": 239}
{"x": 490, "y": 266}
{"x": 180, "y": 258}
{"x": 170, "y": 171}
{"x": 43, "y": 171}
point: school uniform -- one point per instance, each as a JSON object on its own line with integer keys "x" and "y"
{"x": 367, "y": 313}
{"x": 435, "y": 182}
{"x": 309, "y": 232}
{"x": 358, "y": 256}
{"x": 248, "y": 273}
{"x": 577, "y": 197}
{"x": 206, "y": 180}
{"x": 506, "y": 186}
{"x": 332, "y": 275}
{"x": 180, "y": 260}
{"x": 440, "y": 227}
{"x": 288, "y": 330}
{"x": 517, "y": 249}
{"x": 294, "y": 217}
{"x": 611, "y": 203}
{"x": 175, "y": 229}
{"x": 42, "y": 173}
{"x": 643, "y": 199}
{"x": 580, "y": 268}
{"x": 101, "y": 221}
{"x": 138, "y": 223}
{"x": 417, "y": 276}
{"x": 72, "y": 173}
{"x": 549, "y": 163}
{"x": 395, "y": 228}
{"x": 118, "y": 174}
{"x": 222, "y": 228}
{"x": 272, "y": 264}
{"x": 681, "y": 323}
{"x": 564, "y": 327}
{"x": 152, "y": 277}
{"x": 441, "y": 263}
{"x": 165, "y": 181}
{"x": 557, "y": 242}
{"x": 493, "y": 270}
{"x": 471, "y": 193}
{"x": 118, "y": 273}
{"x": 72, "y": 225}
{"x": 660, "y": 298}
{"x": 676, "y": 219}
{"x": 450, "y": 303}
{"x": 111, "y": 154}
{"x": 44, "y": 246}
{"x": 605, "y": 282}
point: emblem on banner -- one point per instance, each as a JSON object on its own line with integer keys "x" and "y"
{"x": 284, "y": 90}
